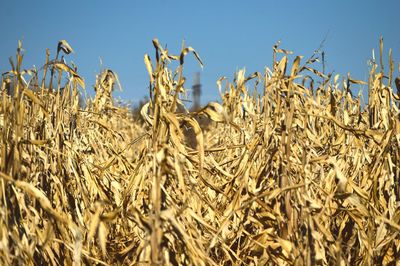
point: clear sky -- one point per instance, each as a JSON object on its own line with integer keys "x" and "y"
{"x": 228, "y": 35}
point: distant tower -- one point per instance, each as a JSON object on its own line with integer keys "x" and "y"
{"x": 196, "y": 88}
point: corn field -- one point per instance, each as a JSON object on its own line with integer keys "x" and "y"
{"x": 292, "y": 168}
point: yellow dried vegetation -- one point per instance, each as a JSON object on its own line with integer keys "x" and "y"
{"x": 287, "y": 172}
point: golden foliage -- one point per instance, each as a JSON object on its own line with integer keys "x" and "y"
{"x": 285, "y": 176}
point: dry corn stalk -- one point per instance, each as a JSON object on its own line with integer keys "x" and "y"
{"x": 283, "y": 174}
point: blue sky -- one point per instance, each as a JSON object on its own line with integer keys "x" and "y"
{"x": 228, "y": 35}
